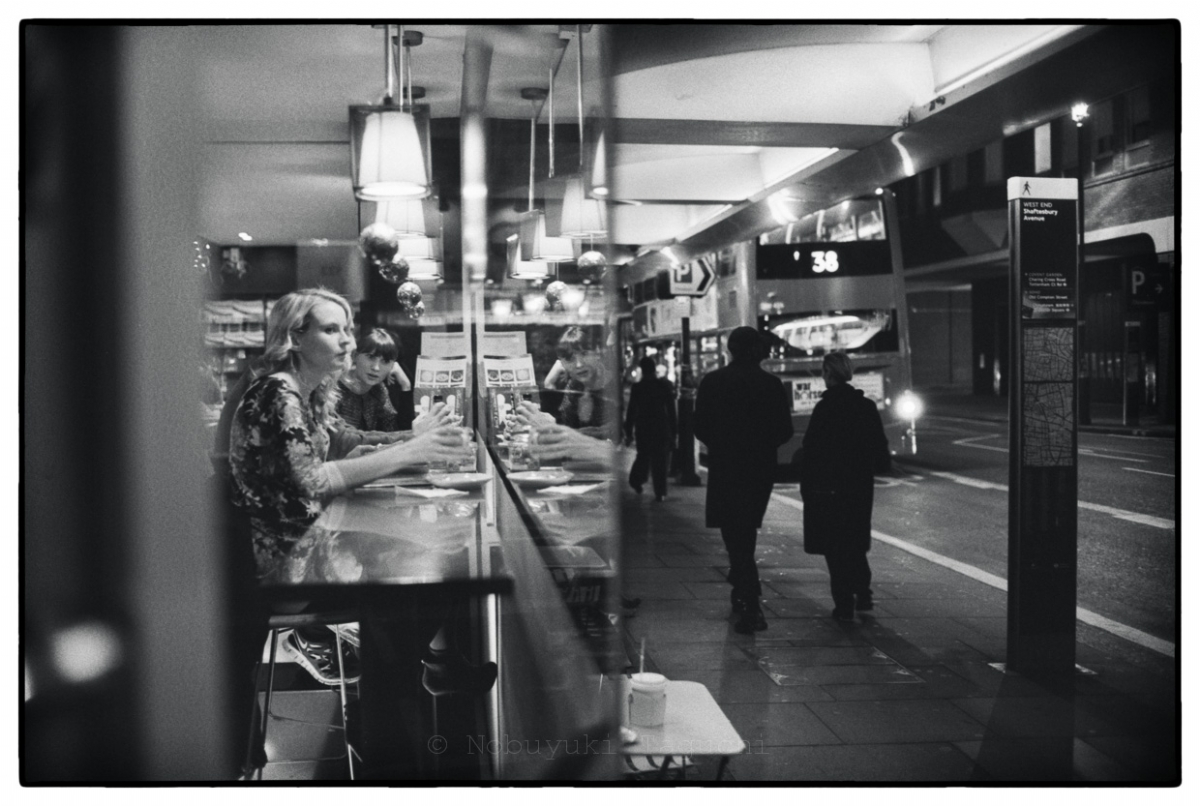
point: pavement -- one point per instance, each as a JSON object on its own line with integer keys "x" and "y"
{"x": 912, "y": 692}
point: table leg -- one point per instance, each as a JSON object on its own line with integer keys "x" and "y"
{"x": 721, "y": 766}
{"x": 662, "y": 771}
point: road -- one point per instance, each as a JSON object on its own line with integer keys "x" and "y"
{"x": 952, "y": 499}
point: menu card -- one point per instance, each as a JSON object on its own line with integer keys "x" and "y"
{"x": 440, "y": 380}
{"x": 510, "y": 381}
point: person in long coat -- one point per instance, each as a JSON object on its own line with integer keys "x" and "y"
{"x": 742, "y": 416}
{"x": 844, "y": 448}
{"x": 650, "y": 418}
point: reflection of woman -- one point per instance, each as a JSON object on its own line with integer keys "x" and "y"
{"x": 651, "y": 418}
{"x": 364, "y": 402}
{"x": 586, "y": 407}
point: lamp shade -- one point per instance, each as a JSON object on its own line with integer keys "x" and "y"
{"x": 598, "y": 176}
{"x": 389, "y": 154}
{"x": 406, "y": 216}
{"x": 519, "y": 269}
{"x": 424, "y": 257}
{"x": 580, "y": 216}
{"x": 536, "y": 245}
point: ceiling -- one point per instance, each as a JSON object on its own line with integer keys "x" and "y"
{"x": 707, "y": 120}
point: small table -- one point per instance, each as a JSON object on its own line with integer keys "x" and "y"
{"x": 694, "y": 726}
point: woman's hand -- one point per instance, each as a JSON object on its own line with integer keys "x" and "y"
{"x": 436, "y": 417}
{"x": 445, "y": 443}
{"x": 530, "y": 415}
{"x": 553, "y": 443}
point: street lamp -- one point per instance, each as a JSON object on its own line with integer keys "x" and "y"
{"x": 1079, "y": 113}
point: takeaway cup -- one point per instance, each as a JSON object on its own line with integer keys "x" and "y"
{"x": 647, "y": 699}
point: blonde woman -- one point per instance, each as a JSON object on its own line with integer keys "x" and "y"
{"x": 279, "y": 444}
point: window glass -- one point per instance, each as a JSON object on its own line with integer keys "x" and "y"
{"x": 1041, "y": 149}
{"x": 819, "y": 332}
{"x": 1101, "y": 124}
{"x": 993, "y": 163}
{"x": 1137, "y": 104}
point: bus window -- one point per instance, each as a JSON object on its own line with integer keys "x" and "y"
{"x": 816, "y": 333}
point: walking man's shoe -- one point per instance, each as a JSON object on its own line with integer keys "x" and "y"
{"x": 843, "y": 615}
{"x": 864, "y": 602}
{"x": 750, "y": 622}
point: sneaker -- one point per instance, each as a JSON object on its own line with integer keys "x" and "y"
{"x": 843, "y": 615}
{"x": 447, "y": 672}
{"x": 349, "y": 633}
{"x": 637, "y": 488}
{"x": 317, "y": 658}
{"x": 751, "y": 621}
{"x": 864, "y": 602}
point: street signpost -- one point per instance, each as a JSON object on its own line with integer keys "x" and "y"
{"x": 1043, "y": 432}
{"x": 688, "y": 280}
{"x": 692, "y": 279}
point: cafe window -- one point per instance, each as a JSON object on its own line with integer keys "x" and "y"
{"x": 1102, "y": 141}
{"x": 1041, "y": 149}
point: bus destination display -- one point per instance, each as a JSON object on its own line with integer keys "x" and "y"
{"x": 822, "y": 260}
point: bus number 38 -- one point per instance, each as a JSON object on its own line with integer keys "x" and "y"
{"x": 823, "y": 261}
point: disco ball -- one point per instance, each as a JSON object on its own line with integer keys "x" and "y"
{"x": 394, "y": 271}
{"x": 417, "y": 310}
{"x": 379, "y": 243}
{"x": 409, "y": 295}
{"x": 554, "y": 295}
{"x": 591, "y": 266}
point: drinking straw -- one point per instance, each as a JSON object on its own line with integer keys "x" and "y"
{"x": 642, "y": 658}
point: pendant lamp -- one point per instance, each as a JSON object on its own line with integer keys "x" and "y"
{"x": 409, "y": 217}
{"x": 424, "y": 257}
{"x": 580, "y": 216}
{"x": 389, "y": 144}
{"x": 534, "y": 246}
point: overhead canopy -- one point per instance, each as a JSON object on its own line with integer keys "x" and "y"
{"x": 708, "y": 120}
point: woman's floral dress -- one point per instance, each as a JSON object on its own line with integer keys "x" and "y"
{"x": 280, "y": 478}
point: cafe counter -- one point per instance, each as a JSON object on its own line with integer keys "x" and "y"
{"x": 518, "y": 568}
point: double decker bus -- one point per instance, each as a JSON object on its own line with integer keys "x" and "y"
{"x": 832, "y": 280}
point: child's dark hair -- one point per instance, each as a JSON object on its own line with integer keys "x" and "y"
{"x": 579, "y": 340}
{"x": 379, "y": 343}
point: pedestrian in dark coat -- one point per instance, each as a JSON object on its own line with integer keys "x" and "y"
{"x": 650, "y": 418}
{"x": 844, "y": 447}
{"x": 742, "y": 416}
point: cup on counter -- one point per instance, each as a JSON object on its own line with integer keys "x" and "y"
{"x": 647, "y": 699}
{"x": 520, "y": 453}
{"x": 465, "y": 464}
{"x": 468, "y": 462}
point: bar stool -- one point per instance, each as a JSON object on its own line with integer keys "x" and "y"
{"x": 276, "y": 624}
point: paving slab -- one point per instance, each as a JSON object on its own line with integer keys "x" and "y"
{"x": 871, "y": 763}
{"x": 779, "y": 723}
{"x": 894, "y": 721}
